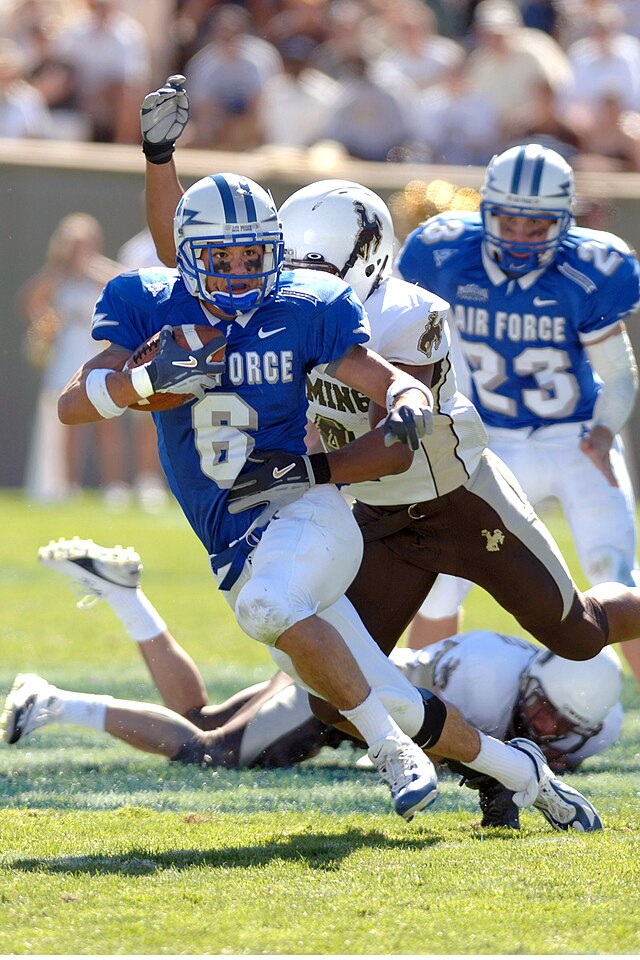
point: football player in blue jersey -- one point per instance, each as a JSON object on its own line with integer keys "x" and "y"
{"x": 285, "y": 580}
{"x": 539, "y": 307}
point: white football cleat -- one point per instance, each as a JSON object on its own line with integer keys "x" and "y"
{"x": 409, "y": 773}
{"x": 562, "y": 806}
{"x": 32, "y": 703}
{"x": 93, "y": 568}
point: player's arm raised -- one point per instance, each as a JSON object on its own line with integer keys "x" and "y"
{"x": 163, "y": 117}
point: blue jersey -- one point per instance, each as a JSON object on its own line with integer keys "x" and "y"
{"x": 260, "y": 403}
{"x": 524, "y": 339}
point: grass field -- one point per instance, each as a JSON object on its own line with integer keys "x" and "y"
{"x": 105, "y": 850}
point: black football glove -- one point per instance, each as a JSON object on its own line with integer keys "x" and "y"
{"x": 163, "y": 117}
{"x": 407, "y": 425}
{"x": 176, "y": 370}
{"x": 273, "y": 479}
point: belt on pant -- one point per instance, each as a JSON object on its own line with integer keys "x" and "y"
{"x": 397, "y": 517}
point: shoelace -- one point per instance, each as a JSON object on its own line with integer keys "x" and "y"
{"x": 394, "y": 770}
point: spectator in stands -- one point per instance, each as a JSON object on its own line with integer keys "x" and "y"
{"x": 295, "y": 104}
{"x": 606, "y": 62}
{"x": 610, "y": 136}
{"x": 545, "y": 122}
{"x": 416, "y": 51}
{"x": 509, "y": 61}
{"x": 453, "y": 122}
{"x": 23, "y": 109}
{"x": 227, "y": 78}
{"x": 109, "y": 52}
{"x": 344, "y": 38}
{"x": 370, "y": 119}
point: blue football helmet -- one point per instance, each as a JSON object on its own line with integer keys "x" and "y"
{"x": 227, "y": 210}
{"x": 526, "y": 181}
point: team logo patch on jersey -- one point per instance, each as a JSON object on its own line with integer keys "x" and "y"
{"x": 471, "y": 291}
{"x": 432, "y": 336}
{"x": 494, "y": 540}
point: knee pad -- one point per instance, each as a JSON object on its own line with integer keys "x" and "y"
{"x": 262, "y": 615}
{"x": 609, "y": 565}
{"x": 435, "y": 714}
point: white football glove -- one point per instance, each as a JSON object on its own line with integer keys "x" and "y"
{"x": 163, "y": 116}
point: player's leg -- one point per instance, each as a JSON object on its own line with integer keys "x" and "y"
{"x": 440, "y": 728}
{"x": 113, "y": 574}
{"x": 303, "y": 564}
{"x": 603, "y": 525}
{"x": 34, "y": 703}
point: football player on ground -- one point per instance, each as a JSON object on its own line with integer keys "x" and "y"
{"x": 506, "y": 686}
{"x": 539, "y": 306}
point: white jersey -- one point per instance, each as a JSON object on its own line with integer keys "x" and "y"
{"x": 408, "y": 326}
{"x": 479, "y": 673}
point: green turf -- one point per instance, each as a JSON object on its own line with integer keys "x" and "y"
{"x": 105, "y": 850}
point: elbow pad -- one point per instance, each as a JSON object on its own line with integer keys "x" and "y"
{"x": 614, "y": 361}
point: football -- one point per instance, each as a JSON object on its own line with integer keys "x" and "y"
{"x": 190, "y": 336}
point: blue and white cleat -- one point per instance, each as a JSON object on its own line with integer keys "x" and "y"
{"x": 94, "y": 569}
{"x": 409, "y": 773}
{"x": 563, "y": 807}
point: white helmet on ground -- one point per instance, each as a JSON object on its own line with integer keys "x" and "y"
{"x": 527, "y": 181}
{"x": 341, "y": 227}
{"x": 226, "y": 210}
{"x": 559, "y": 697}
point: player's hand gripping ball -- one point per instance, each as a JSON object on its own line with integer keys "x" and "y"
{"x": 190, "y": 338}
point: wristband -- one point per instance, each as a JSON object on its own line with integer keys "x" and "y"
{"x": 99, "y": 397}
{"x": 141, "y": 382}
{"x": 158, "y": 152}
{"x": 320, "y": 467}
{"x": 401, "y": 384}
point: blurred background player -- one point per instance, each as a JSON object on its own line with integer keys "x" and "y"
{"x": 56, "y": 302}
{"x": 505, "y": 686}
{"x": 539, "y": 307}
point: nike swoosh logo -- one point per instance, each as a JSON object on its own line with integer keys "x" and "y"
{"x": 191, "y": 362}
{"x": 539, "y": 302}
{"x": 269, "y": 333}
{"x": 279, "y": 473}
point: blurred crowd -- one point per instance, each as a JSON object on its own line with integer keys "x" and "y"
{"x": 434, "y": 81}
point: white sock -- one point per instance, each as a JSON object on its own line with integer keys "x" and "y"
{"x": 511, "y": 767}
{"x": 372, "y": 720}
{"x": 139, "y": 617}
{"x": 81, "y": 709}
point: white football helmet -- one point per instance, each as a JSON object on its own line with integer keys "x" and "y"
{"x": 226, "y": 210}
{"x": 560, "y": 697}
{"x": 342, "y": 228}
{"x": 527, "y": 181}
